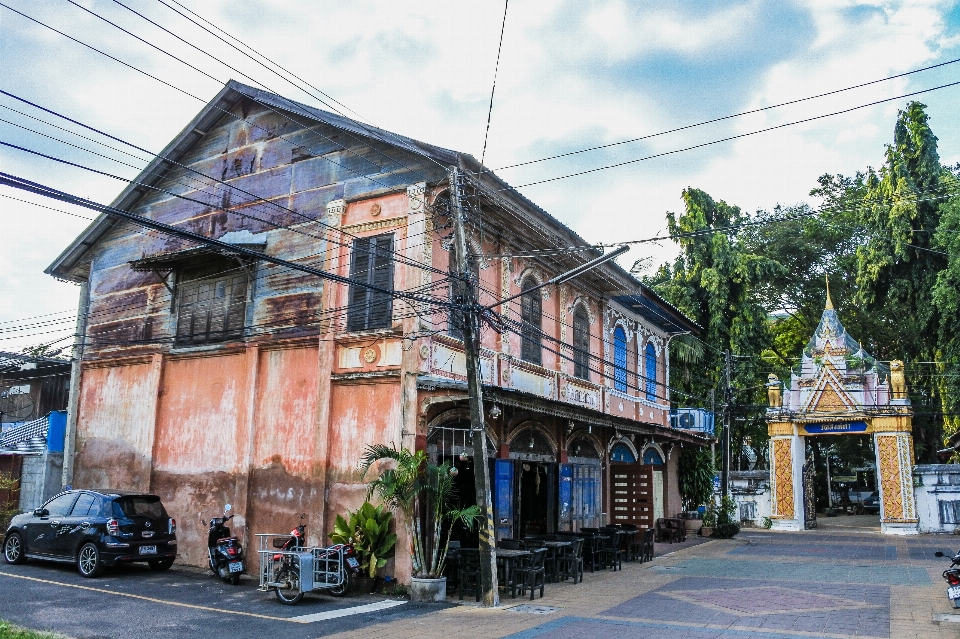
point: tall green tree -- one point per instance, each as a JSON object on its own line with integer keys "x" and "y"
{"x": 898, "y": 264}
{"x": 714, "y": 281}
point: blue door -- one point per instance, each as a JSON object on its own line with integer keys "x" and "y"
{"x": 503, "y": 498}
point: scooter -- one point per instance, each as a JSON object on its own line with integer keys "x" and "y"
{"x": 224, "y": 551}
{"x": 952, "y": 577}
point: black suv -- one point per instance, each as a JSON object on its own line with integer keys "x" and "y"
{"x": 93, "y": 530}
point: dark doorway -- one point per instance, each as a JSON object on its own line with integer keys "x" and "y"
{"x": 537, "y": 498}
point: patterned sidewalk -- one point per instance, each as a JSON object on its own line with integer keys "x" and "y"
{"x": 762, "y": 585}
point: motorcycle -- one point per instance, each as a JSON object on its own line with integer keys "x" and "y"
{"x": 327, "y": 567}
{"x": 224, "y": 550}
{"x": 952, "y": 577}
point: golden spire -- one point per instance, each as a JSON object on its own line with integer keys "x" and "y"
{"x": 829, "y": 306}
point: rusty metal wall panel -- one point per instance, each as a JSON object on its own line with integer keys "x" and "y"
{"x": 115, "y": 427}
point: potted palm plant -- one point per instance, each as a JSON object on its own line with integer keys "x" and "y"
{"x": 368, "y": 531}
{"x": 423, "y": 493}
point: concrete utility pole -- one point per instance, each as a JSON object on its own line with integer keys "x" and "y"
{"x": 466, "y": 297}
{"x": 727, "y": 423}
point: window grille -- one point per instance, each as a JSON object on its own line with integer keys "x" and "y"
{"x": 531, "y": 312}
{"x": 211, "y": 304}
{"x": 650, "y": 371}
{"x": 371, "y": 262}
{"x": 620, "y": 360}
{"x": 581, "y": 344}
{"x": 949, "y": 512}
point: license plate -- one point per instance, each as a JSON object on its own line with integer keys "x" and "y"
{"x": 148, "y": 550}
{"x": 953, "y": 592}
{"x": 352, "y": 562}
{"x": 236, "y": 566}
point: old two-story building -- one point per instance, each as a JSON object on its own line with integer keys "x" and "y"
{"x": 210, "y": 377}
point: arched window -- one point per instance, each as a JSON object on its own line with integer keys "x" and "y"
{"x": 622, "y": 453}
{"x": 581, "y": 344}
{"x": 651, "y": 456}
{"x": 620, "y": 359}
{"x": 531, "y": 312}
{"x": 650, "y": 371}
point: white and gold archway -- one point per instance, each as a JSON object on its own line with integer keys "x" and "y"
{"x": 838, "y": 391}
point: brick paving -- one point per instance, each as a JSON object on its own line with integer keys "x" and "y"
{"x": 762, "y": 585}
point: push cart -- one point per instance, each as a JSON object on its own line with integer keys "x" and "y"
{"x": 292, "y": 571}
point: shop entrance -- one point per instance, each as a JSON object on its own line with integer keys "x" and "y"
{"x": 534, "y": 470}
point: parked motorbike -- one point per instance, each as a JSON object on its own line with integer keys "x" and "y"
{"x": 952, "y": 577}
{"x": 224, "y": 550}
{"x": 289, "y": 588}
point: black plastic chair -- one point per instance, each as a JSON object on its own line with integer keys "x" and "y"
{"x": 510, "y": 544}
{"x": 468, "y": 573}
{"x": 531, "y": 573}
{"x": 611, "y": 556}
{"x": 571, "y": 561}
{"x": 591, "y": 551}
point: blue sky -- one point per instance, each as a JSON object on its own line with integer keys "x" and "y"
{"x": 573, "y": 74}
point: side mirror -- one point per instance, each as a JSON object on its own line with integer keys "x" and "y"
{"x": 40, "y": 512}
{"x": 939, "y": 554}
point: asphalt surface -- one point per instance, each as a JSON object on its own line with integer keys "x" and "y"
{"x": 133, "y": 601}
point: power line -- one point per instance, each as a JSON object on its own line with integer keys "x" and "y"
{"x": 726, "y": 117}
{"x": 257, "y": 200}
{"x": 729, "y": 138}
{"x": 493, "y": 88}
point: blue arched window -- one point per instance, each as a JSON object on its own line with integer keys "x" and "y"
{"x": 622, "y": 453}
{"x": 620, "y": 360}
{"x": 650, "y": 371}
{"x": 651, "y": 456}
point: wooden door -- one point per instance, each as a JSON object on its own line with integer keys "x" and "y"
{"x": 631, "y": 494}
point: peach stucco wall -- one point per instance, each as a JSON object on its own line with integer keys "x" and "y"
{"x": 114, "y": 429}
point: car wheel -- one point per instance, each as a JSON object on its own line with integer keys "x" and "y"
{"x": 89, "y": 563}
{"x": 13, "y": 551}
{"x": 289, "y": 592}
{"x": 341, "y": 590}
{"x": 159, "y": 565}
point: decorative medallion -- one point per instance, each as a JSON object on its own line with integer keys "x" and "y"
{"x": 375, "y": 209}
{"x": 424, "y": 351}
{"x": 369, "y": 355}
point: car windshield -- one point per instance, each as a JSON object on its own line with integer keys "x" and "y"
{"x": 139, "y": 506}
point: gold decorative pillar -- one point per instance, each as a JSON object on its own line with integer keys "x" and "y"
{"x": 894, "y": 448}
{"x": 786, "y": 487}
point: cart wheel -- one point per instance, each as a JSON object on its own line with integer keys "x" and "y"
{"x": 289, "y": 593}
{"x": 341, "y": 590}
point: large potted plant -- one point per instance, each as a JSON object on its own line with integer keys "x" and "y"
{"x": 368, "y": 531}
{"x": 695, "y": 474}
{"x": 423, "y": 493}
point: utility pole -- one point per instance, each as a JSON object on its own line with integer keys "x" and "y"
{"x": 469, "y": 324}
{"x": 727, "y": 423}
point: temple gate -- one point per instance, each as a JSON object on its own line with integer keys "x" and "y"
{"x": 841, "y": 390}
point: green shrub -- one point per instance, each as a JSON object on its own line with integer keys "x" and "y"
{"x": 368, "y": 531}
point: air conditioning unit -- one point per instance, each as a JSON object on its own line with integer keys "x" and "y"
{"x": 692, "y": 419}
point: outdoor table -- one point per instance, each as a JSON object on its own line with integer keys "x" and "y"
{"x": 553, "y": 556}
{"x": 506, "y": 557}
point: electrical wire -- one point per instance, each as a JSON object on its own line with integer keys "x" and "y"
{"x": 726, "y": 117}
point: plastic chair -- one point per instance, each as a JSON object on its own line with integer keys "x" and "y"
{"x": 531, "y": 573}
{"x": 468, "y": 573}
{"x": 571, "y": 561}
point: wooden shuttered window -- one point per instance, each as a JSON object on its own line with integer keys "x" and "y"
{"x": 211, "y": 303}
{"x": 531, "y": 312}
{"x": 371, "y": 262}
{"x": 581, "y": 344}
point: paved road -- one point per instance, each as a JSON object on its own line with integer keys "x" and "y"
{"x": 133, "y": 601}
{"x": 763, "y": 585}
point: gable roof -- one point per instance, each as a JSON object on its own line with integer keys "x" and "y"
{"x": 65, "y": 265}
